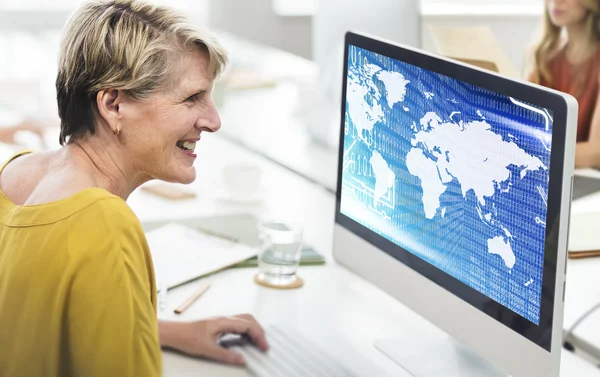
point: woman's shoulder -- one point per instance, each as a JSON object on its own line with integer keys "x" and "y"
{"x": 18, "y": 162}
{"x": 107, "y": 211}
{"x": 20, "y": 170}
{"x": 107, "y": 229}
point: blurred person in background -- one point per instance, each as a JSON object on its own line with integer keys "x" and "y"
{"x": 8, "y": 132}
{"x": 567, "y": 59}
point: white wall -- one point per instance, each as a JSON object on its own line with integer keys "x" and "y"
{"x": 256, "y": 20}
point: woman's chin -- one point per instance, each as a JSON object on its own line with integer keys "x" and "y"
{"x": 187, "y": 179}
{"x": 182, "y": 175}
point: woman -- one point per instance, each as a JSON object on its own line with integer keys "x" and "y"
{"x": 567, "y": 58}
{"x": 77, "y": 291}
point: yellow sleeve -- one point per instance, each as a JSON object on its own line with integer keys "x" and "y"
{"x": 112, "y": 321}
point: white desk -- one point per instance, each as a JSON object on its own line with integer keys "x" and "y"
{"x": 583, "y": 293}
{"x": 337, "y": 309}
{"x": 583, "y": 276}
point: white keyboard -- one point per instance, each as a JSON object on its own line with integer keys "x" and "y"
{"x": 289, "y": 355}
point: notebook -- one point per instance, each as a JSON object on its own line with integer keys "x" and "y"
{"x": 181, "y": 254}
{"x": 241, "y": 228}
{"x": 583, "y": 239}
{"x": 308, "y": 257}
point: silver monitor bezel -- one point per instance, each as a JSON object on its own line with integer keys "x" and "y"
{"x": 492, "y": 339}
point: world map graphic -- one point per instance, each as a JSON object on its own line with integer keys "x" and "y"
{"x": 451, "y": 172}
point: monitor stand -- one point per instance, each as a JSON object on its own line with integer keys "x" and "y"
{"x": 437, "y": 357}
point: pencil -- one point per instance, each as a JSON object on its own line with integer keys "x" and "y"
{"x": 186, "y": 304}
{"x": 584, "y": 254}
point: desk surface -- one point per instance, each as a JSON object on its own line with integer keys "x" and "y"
{"x": 335, "y": 308}
{"x": 583, "y": 277}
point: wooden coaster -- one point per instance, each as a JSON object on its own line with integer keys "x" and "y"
{"x": 296, "y": 284}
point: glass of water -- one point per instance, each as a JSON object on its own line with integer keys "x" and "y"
{"x": 279, "y": 253}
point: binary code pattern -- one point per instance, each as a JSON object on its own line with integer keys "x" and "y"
{"x": 453, "y": 173}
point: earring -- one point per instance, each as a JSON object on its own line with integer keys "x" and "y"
{"x": 117, "y": 131}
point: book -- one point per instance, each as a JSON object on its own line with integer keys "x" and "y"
{"x": 309, "y": 257}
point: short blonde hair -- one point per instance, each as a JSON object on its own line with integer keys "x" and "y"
{"x": 122, "y": 44}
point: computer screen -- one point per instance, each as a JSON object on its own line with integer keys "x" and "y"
{"x": 451, "y": 172}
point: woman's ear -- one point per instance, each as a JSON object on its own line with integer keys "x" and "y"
{"x": 108, "y": 102}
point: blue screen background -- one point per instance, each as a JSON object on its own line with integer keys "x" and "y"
{"x": 396, "y": 159}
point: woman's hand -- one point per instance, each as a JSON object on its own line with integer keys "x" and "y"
{"x": 200, "y": 338}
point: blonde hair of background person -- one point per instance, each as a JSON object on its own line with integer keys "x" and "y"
{"x": 567, "y": 58}
{"x": 77, "y": 287}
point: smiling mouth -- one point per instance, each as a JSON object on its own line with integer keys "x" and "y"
{"x": 187, "y": 146}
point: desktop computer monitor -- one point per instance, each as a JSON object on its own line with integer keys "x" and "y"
{"x": 453, "y": 195}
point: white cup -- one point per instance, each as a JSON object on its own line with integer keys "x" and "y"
{"x": 241, "y": 180}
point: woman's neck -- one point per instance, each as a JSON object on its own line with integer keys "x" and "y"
{"x": 104, "y": 166}
{"x": 579, "y": 48}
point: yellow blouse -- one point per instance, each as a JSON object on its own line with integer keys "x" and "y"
{"x": 77, "y": 291}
